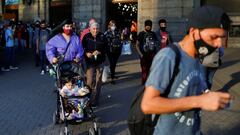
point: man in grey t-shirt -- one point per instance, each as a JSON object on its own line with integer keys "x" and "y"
{"x": 207, "y": 31}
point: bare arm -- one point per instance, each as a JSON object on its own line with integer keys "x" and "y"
{"x": 153, "y": 103}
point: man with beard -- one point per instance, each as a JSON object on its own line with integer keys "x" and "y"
{"x": 189, "y": 94}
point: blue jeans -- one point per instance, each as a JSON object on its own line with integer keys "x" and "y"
{"x": 9, "y": 56}
{"x": 43, "y": 60}
{"x": 210, "y": 74}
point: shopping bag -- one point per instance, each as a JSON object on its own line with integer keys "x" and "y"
{"x": 105, "y": 74}
{"x": 126, "y": 48}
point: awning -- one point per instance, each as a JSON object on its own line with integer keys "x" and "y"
{"x": 123, "y": 1}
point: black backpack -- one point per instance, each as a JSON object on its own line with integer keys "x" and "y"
{"x": 150, "y": 42}
{"x": 140, "y": 123}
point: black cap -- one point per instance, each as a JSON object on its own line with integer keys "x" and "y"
{"x": 67, "y": 21}
{"x": 148, "y": 23}
{"x": 208, "y": 17}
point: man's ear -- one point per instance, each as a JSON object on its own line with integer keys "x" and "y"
{"x": 194, "y": 33}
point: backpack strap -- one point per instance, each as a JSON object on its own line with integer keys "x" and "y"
{"x": 175, "y": 72}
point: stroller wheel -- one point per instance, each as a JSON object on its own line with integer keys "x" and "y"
{"x": 91, "y": 131}
{"x": 99, "y": 132}
{"x": 56, "y": 118}
{"x": 64, "y": 133}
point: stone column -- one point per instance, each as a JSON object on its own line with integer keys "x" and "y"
{"x": 83, "y": 10}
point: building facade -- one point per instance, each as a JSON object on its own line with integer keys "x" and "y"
{"x": 174, "y": 11}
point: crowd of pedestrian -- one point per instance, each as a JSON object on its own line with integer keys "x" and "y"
{"x": 93, "y": 49}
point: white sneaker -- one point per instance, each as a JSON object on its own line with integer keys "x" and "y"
{"x": 13, "y": 67}
{"x": 47, "y": 68}
{"x": 42, "y": 72}
{"x": 5, "y": 69}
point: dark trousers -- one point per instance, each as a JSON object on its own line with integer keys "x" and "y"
{"x": 209, "y": 75}
{"x": 43, "y": 59}
{"x": 113, "y": 58}
{"x": 146, "y": 62}
{"x": 36, "y": 56}
{"x": 9, "y": 57}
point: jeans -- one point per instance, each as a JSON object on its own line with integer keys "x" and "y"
{"x": 43, "y": 59}
{"x": 9, "y": 56}
{"x": 210, "y": 74}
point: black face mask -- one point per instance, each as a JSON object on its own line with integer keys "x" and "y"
{"x": 163, "y": 28}
{"x": 148, "y": 30}
{"x": 203, "y": 49}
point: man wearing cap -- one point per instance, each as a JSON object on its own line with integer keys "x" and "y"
{"x": 146, "y": 57}
{"x": 180, "y": 111}
{"x": 64, "y": 42}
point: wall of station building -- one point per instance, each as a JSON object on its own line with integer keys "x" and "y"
{"x": 174, "y": 11}
{"x": 30, "y": 12}
{"x": 83, "y": 10}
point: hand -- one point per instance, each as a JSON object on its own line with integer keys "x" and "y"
{"x": 76, "y": 60}
{"x": 213, "y": 101}
{"x": 96, "y": 52}
{"x": 89, "y": 55}
{"x": 54, "y": 60}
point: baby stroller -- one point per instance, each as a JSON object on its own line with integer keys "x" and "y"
{"x": 85, "y": 113}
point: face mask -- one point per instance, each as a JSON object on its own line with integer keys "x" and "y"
{"x": 203, "y": 49}
{"x": 67, "y": 31}
{"x": 113, "y": 28}
{"x": 163, "y": 28}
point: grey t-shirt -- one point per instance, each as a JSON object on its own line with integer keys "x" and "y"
{"x": 44, "y": 34}
{"x": 189, "y": 81}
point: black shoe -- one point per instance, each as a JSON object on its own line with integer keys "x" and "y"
{"x": 113, "y": 82}
{"x": 94, "y": 106}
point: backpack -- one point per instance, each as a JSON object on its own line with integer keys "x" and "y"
{"x": 143, "y": 124}
{"x": 150, "y": 43}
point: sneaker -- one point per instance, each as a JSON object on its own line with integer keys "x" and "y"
{"x": 42, "y": 72}
{"x": 13, "y": 67}
{"x": 47, "y": 68}
{"x": 5, "y": 69}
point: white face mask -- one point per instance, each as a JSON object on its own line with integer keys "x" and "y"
{"x": 113, "y": 28}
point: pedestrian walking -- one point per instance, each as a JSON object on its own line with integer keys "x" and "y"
{"x": 42, "y": 39}
{"x": 146, "y": 47}
{"x": 163, "y": 36}
{"x": 113, "y": 36}
{"x": 95, "y": 46}
{"x": 64, "y": 42}
{"x": 10, "y": 62}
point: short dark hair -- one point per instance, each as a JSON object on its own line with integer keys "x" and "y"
{"x": 162, "y": 21}
{"x": 43, "y": 22}
{"x": 148, "y": 23}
